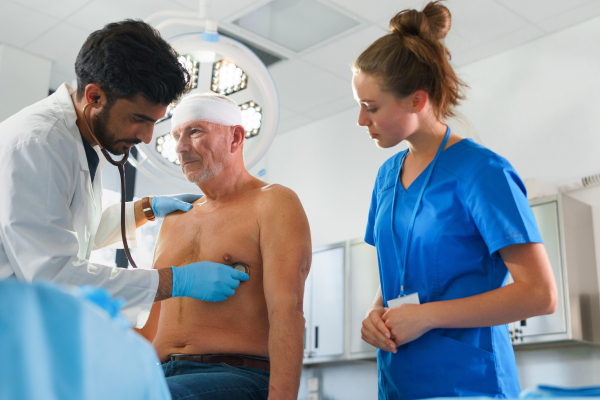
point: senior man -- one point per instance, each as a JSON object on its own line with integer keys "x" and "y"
{"x": 251, "y": 345}
{"x": 50, "y": 186}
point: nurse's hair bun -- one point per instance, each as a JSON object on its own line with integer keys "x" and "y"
{"x": 433, "y": 23}
{"x": 413, "y": 57}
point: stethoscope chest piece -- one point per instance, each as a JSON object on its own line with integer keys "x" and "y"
{"x": 241, "y": 267}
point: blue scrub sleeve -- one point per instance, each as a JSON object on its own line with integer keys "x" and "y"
{"x": 369, "y": 234}
{"x": 497, "y": 200}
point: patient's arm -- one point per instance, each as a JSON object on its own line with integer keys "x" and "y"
{"x": 149, "y": 330}
{"x": 286, "y": 252}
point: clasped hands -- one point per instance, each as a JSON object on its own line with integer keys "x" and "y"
{"x": 388, "y": 328}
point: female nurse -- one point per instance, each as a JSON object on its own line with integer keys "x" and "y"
{"x": 450, "y": 219}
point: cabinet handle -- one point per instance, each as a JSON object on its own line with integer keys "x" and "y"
{"x": 304, "y": 338}
{"x": 316, "y": 337}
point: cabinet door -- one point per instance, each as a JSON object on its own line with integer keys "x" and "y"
{"x": 364, "y": 282}
{"x": 546, "y": 215}
{"x": 327, "y": 308}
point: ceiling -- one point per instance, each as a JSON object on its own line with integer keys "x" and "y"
{"x": 314, "y": 83}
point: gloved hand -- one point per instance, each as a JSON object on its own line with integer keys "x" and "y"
{"x": 164, "y": 205}
{"x": 206, "y": 280}
{"x": 103, "y": 299}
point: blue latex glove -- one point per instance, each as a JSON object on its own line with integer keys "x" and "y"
{"x": 164, "y": 205}
{"x": 103, "y": 299}
{"x": 206, "y": 280}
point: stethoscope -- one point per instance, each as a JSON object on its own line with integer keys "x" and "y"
{"x": 121, "y": 165}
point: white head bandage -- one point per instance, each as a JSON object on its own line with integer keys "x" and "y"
{"x": 206, "y": 107}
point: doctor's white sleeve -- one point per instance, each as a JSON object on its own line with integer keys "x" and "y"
{"x": 109, "y": 229}
{"x": 37, "y": 185}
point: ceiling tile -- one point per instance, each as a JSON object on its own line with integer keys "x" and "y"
{"x": 101, "y": 12}
{"x": 55, "y": 8}
{"x": 336, "y": 57}
{"x": 376, "y": 10}
{"x": 496, "y": 46}
{"x": 538, "y": 10}
{"x": 19, "y": 25}
{"x": 219, "y": 10}
{"x": 571, "y": 17}
{"x": 331, "y": 108}
{"x": 302, "y": 86}
{"x": 61, "y": 44}
{"x": 475, "y": 22}
{"x": 292, "y": 123}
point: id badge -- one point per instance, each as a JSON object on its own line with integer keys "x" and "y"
{"x": 410, "y": 299}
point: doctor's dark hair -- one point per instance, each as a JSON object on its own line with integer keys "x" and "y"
{"x": 413, "y": 57}
{"x": 130, "y": 57}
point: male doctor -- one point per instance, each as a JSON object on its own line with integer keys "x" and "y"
{"x": 50, "y": 174}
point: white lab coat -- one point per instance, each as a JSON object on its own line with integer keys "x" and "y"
{"x": 50, "y": 213}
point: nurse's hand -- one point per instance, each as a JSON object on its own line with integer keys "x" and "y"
{"x": 164, "y": 205}
{"x": 406, "y": 322}
{"x": 375, "y": 332}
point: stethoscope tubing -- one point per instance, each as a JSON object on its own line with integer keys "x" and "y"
{"x": 120, "y": 164}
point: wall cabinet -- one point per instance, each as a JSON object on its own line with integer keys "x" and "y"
{"x": 344, "y": 279}
{"x": 340, "y": 287}
{"x": 324, "y": 304}
{"x": 567, "y": 231}
{"x": 364, "y": 282}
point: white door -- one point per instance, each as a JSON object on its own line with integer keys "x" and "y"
{"x": 327, "y": 308}
{"x": 364, "y": 282}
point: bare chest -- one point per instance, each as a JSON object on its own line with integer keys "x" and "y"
{"x": 226, "y": 235}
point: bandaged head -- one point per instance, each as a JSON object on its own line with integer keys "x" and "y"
{"x": 206, "y": 107}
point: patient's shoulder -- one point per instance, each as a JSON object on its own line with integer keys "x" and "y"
{"x": 274, "y": 194}
{"x": 277, "y": 201}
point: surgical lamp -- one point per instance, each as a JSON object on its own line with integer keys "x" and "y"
{"x": 222, "y": 65}
{"x": 228, "y": 76}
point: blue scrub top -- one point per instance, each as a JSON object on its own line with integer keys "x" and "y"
{"x": 474, "y": 205}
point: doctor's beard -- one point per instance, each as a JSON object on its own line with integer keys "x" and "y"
{"x": 108, "y": 139}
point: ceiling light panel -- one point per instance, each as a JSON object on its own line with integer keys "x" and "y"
{"x": 165, "y": 145}
{"x": 228, "y": 78}
{"x": 296, "y": 24}
{"x": 193, "y": 68}
{"x": 251, "y": 118}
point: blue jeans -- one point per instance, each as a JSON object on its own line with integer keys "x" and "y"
{"x": 190, "y": 381}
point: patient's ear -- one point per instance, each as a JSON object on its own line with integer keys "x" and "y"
{"x": 239, "y": 134}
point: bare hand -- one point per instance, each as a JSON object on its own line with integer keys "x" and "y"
{"x": 375, "y": 332}
{"x": 406, "y": 322}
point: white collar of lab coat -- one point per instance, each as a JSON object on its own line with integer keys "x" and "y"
{"x": 63, "y": 97}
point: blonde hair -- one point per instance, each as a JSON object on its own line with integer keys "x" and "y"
{"x": 413, "y": 57}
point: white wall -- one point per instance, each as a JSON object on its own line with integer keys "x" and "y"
{"x": 24, "y": 79}
{"x": 536, "y": 105}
